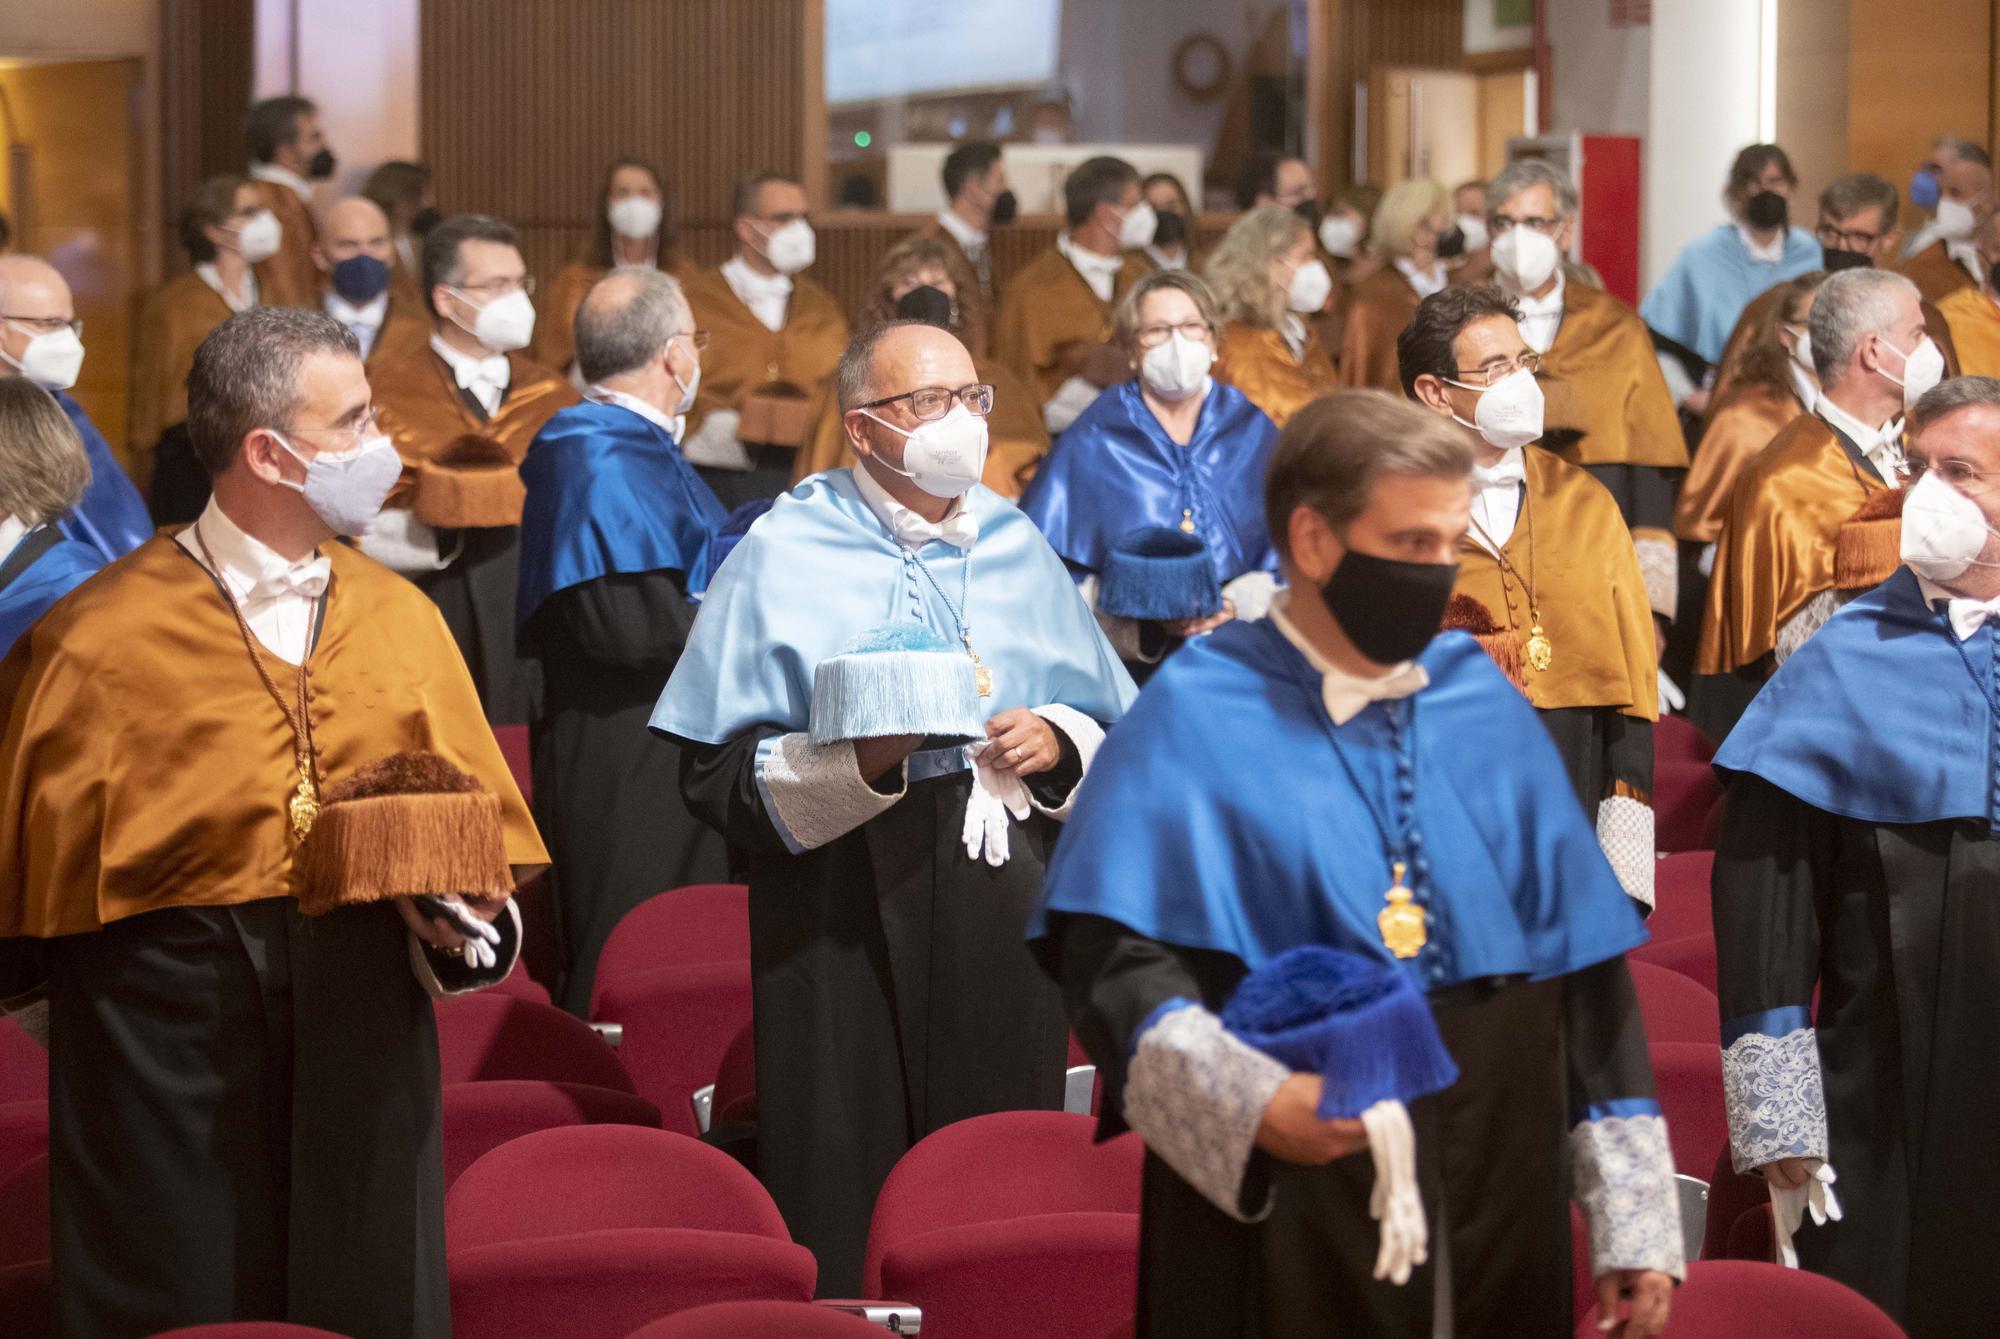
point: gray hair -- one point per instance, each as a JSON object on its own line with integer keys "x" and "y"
{"x": 625, "y": 321}
{"x": 1948, "y": 397}
{"x": 246, "y": 376}
{"x": 1524, "y": 173}
{"x": 854, "y": 375}
{"x": 1851, "y": 306}
{"x": 43, "y": 468}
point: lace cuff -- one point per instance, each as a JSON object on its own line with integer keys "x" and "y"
{"x": 1625, "y": 1182}
{"x": 1195, "y": 1094}
{"x": 1777, "y": 1106}
{"x": 1251, "y": 594}
{"x": 1625, "y": 832}
{"x": 1659, "y": 570}
{"x": 1081, "y": 731}
{"x": 814, "y": 793}
{"x": 1794, "y": 631}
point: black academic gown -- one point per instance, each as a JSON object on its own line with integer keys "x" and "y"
{"x": 1601, "y": 748}
{"x": 893, "y": 988}
{"x": 604, "y": 648}
{"x": 1899, "y": 928}
{"x": 1490, "y": 1160}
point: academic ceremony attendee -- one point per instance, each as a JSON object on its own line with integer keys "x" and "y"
{"x": 1269, "y": 283}
{"x": 402, "y": 190}
{"x": 977, "y": 200}
{"x": 41, "y": 342}
{"x": 1609, "y": 409}
{"x": 1973, "y": 314}
{"x": 356, "y": 256}
{"x": 288, "y": 153}
{"x": 1698, "y": 300}
{"x": 1547, "y": 556}
{"x": 226, "y": 231}
{"x": 1403, "y": 240}
{"x": 890, "y": 877}
{"x": 775, "y": 337}
{"x": 44, "y": 473}
{"x": 924, "y": 279}
{"x": 244, "y": 1104}
{"x": 1927, "y": 190}
{"x": 1771, "y": 383}
{"x": 1173, "y": 448}
{"x": 1343, "y": 239}
{"x": 1172, "y": 247}
{"x": 1951, "y": 262}
{"x": 633, "y": 227}
{"x": 1273, "y": 177}
{"x": 462, "y": 414}
{"x": 614, "y": 540}
{"x": 1054, "y": 326}
{"x": 1310, "y": 780}
{"x": 1854, "y": 920}
{"x": 1776, "y": 550}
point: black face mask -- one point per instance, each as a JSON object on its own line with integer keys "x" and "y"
{"x": 1833, "y": 262}
{"x": 1169, "y": 230}
{"x": 1451, "y": 242}
{"x": 321, "y": 166}
{"x": 1309, "y": 210}
{"x": 1389, "y": 609}
{"x": 425, "y": 219}
{"x": 1767, "y": 209}
{"x": 1005, "y": 206}
{"x": 926, "y": 304}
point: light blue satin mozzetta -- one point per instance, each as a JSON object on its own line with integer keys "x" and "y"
{"x": 1115, "y": 470}
{"x": 609, "y": 493}
{"x": 1712, "y": 280}
{"x": 819, "y": 569}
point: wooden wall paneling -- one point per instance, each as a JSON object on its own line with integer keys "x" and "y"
{"x": 1911, "y": 80}
{"x": 1360, "y": 35}
{"x": 206, "y": 57}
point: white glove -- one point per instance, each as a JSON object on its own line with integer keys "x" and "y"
{"x": 481, "y": 937}
{"x": 1789, "y": 1205}
{"x": 1671, "y": 696}
{"x": 1394, "y": 1203}
{"x": 995, "y": 795}
{"x": 715, "y": 444}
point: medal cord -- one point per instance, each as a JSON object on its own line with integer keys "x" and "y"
{"x": 301, "y": 725}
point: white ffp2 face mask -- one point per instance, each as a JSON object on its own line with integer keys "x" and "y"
{"x": 1340, "y": 234}
{"x": 791, "y": 247}
{"x": 1473, "y": 229}
{"x": 1310, "y": 287}
{"x": 1526, "y": 257}
{"x": 1177, "y": 367}
{"x": 52, "y": 360}
{"x": 945, "y": 456}
{"x": 1923, "y": 368}
{"x": 1954, "y": 220}
{"x": 1509, "y": 412}
{"x": 346, "y": 491}
{"x": 1944, "y": 531}
{"x": 1135, "y": 230}
{"x": 260, "y": 236}
{"x": 635, "y": 217}
{"x": 505, "y": 324}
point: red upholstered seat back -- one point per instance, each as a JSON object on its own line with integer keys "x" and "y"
{"x": 680, "y": 1022}
{"x": 1057, "y": 1276}
{"x": 1730, "y": 1196}
{"x": 1683, "y": 795}
{"x": 479, "y": 1117}
{"x": 1675, "y": 1008}
{"x": 703, "y": 922}
{"x": 489, "y": 1036}
{"x": 587, "y": 1178}
{"x": 1693, "y": 956}
{"x": 1676, "y": 739}
{"x": 1681, "y": 904}
{"x": 1738, "y": 1299}
{"x": 24, "y": 1213}
{"x": 1689, "y": 1077}
{"x": 760, "y": 1320}
{"x": 24, "y": 1065}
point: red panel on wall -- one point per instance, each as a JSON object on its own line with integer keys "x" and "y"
{"x": 1610, "y": 207}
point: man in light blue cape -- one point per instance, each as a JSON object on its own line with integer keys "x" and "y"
{"x": 890, "y": 877}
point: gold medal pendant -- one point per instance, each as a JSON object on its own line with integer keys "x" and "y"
{"x": 982, "y": 677}
{"x": 1540, "y": 652}
{"x": 305, "y": 804}
{"x": 1402, "y": 921}
{"x": 1187, "y": 520}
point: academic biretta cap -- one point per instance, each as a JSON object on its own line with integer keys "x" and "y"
{"x": 898, "y": 679}
{"x": 1158, "y": 573}
{"x": 408, "y": 824}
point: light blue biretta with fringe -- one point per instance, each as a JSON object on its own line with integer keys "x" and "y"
{"x": 1360, "y": 1023}
{"x": 897, "y": 679}
{"x": 1158, "y": 573}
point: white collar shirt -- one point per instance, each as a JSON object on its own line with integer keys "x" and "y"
{"x": 768, "y": 296}
{"x": 278, "y": 597}
{"x": 486, "y": 377}
{"x": 1100, "y": 272}
{"x": 959, "y": 528}
{"x": 1346, "y": 694}
{"x": 365, "y": 321}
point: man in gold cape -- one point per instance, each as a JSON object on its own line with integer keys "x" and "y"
{"x": 1973, "y": 314}
{"x": 244, "y": 1104}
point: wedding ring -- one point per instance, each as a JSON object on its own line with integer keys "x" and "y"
{"x": 1017, "y": 753}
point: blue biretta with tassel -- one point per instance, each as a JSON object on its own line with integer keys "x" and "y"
{"x": 1359, "y": 1023}
{"x": 898, "y": 679}
{"x": 1159, "y": 573}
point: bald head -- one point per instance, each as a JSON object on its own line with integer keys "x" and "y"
{"x": 626, "y": 321}
{"x": 355, "y": 226}
{"x": 36, "y": 301}
{"x": 897, "y": 358}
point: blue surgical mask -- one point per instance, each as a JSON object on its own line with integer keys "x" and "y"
{"x": 1924, "y": 189}
{"x": 346, "y": 490}
{"x": 360, "y": 279}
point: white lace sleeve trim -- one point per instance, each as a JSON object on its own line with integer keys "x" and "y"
{"x": 1083, "y": 732}
{"x": 1659, "y": 571}
{"x": 1625, "y": 832}
{"x": 1251, "y": 594}
{"x": 1777, "y": 1106}
{"x": 1625, "y": 1182}
{"x": 814, "y": 793}
{"x": 1195, "y": 1094}
{"x": 1796, "y": 630}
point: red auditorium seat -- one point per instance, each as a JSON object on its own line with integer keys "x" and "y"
{"x": 1681, "y": 904}
{"x": 488, "y": 1036}
{"x": 679, "y": 1024}
{"x": 736, "y": 1080}
{"x": 249, "y": 1329}
{"x": 1683, "y": 795}
{"x": 1693, "y": 956}
{"x": 592, "y": 1231}
{"x": 1732, "y": 1196}
{"x": 24, "y": 1065}
{"x": 760, "y": 1320}
{"x": 479, "y": 1117}
{"x": 1675, "y": 1008}
{"x": 1677, "y": 739}
{"x": 1737, "y": 1299}
{"x": 1689, "y": 1079}
{"x": 24, "y": 1214}
{"x": 521, "y": 986}
{"x": 701, "y": 923}
{"x": 513, "y": 741}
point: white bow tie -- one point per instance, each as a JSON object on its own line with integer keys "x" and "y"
{"x": 960, "y": 529}
{"x": 1511, "y": 472}
{"x": 306, "y": 580}
{"x": 1967, "y": 615}
{"x": 1346, "y": 696}
{"x": 486, "y": 372}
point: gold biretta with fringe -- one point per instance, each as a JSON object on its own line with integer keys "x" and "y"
{"x": 430, "y": 423}
{"x": 145, "y": 767}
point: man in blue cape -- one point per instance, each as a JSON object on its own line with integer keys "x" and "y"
{"x": 1340, "y": 775}
{"x": 41, "y": 341}
{"x": 43, "y": 472}
{"x": 891, "y": 877}
{"x": 1855, "y": 919}
{"x": 614, "y": 542}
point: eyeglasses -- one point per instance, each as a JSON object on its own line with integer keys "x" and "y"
{"x": 698, "y": 338}
{"x": 498, "y": 288}
{"x": 1496, "y": 224}
{"x": 1529, "y": 362}
{"x": 1152, "y": 336}
{"x": 1958, "y": 473}
{"x": 361, "y": 432}
{"x": 1849, "y": 240}
{"x": 44, "y": 325}
{"x": 934, "y": 402}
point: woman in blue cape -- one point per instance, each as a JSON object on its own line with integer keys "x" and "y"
{"x": 1172, "y": 447}
{"x": 615, "y": 536}
{"x": 1339, "y": 775}
{"x": 43, "y": 471}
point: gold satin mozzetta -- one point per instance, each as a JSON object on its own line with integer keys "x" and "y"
{"x": 140, "y": 757}
{"x": 1777, "y": 546}
{"x": 176, "y": 319}
{"x": 744, "y": 354}
{"x": 1602, "y": 382}
{"x": 1936, "y": 275}
{"x": 555, "y": 321}
{"x": 420, "y": 408}
{"x": 1741, "y": 427}
{"x": 1050, "y": 319}
{"x": 1974, "y": 319}
{"x": 1258, "y": 362}
{"x": 289, "y": 278}
{"x": 1380, "y": 306}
